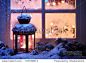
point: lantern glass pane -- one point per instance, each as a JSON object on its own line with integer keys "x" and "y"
{"x": 60, "y": 4}
{"x": 35, "y": 20}
{"x": 61, "y": 25}
{"x": 29, "y": 4}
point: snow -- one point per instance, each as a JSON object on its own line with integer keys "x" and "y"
{"x": 1, "y": 44}
{"x": 56, "y": 53}
{"x": 40, "y": 56}
{"x": 24, "y": 16}
{"x": 24, "y": 28}
{"x": 34, "y": 52}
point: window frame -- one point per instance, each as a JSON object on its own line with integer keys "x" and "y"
{"x": 77, "y": 10}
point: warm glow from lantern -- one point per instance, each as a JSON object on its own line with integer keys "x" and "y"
{"x": 14, "y": 35}
{"x": 24, "y": 37}
{"x": 18, "y": 37}
{"x": 21, "y": 43}
{"x": 48, "y": 3}
{"x": 24, "y": 46}
{"x": 62, "y": 1}
{"x": 29, "y": 44}
{"x": 54, "y": 3}
{"x": 32, "y": 36}
{"x": 73, "y": 26}
{"x": 18, "y": 41}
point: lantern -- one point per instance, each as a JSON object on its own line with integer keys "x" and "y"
{"x": 24, "y": 28}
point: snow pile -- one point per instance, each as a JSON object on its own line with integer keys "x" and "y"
{"x": 59, "y": 52}
{"x": 9, "y": 51}
{"x": 44, "y": 47}
{"x": 41, "y": 48}
{"x": 4, "y": 51}
{"x": 24, "y": 16}
{"x": 49, "y": 46}
{"x": 24, "y": 28}
{"x": 56, "y": 50}
{"x": 34, "y": 52}
{"x": 1, "y": 44}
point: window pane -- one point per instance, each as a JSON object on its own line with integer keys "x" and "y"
{"x": 60, "y": 4}
{"x": 29, "y": 4}
{"x": 36, "y": 20}
{"x": 60, "y": 25}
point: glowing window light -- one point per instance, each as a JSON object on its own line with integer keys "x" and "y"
{"x": 49, "y": 33}
{"x": 46, "y": 35}
{"x": 48, "y": 3}
{"x": 65, "y": 27}
{"x": 51, "y": 24}
{"x": 56, "y": 37}
{"x": 11, "y": 38}
{"x": 62, "y": 1}
{"x": 52, "y": 31}
{"x": 40, "y": 1}
{"x": 11, "y": 25}
{"x": 59, "y": 3}
{"x": 46, "y": 0}
{"x": 54, "y": 3}
{"x": 73, "y": 26}
{"x": 49, "y": 37}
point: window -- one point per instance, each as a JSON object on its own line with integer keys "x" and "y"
{"x": 47, "y": 15}
{"x": 29, "y": 4}
{"x": 60, "y": 4}
{"x": 60, "y": 25}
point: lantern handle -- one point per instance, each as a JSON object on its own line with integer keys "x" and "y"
{"x": 23, "y": 9}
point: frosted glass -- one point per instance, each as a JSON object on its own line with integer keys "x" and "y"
{"x": 29, "y": 4}
{"x": 60, "y": 25}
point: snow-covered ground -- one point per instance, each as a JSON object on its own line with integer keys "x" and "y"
{"x": 58, "y": 52}
{"x": 40, "y": 56}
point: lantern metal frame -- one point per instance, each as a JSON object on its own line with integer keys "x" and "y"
{"x": 26, "y": 34}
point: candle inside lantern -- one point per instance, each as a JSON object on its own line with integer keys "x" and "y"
{"x": 21, "y": 40}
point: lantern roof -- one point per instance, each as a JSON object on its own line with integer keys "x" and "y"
{"x": 24, "y": 28}
{"x": 24, "y": 16}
